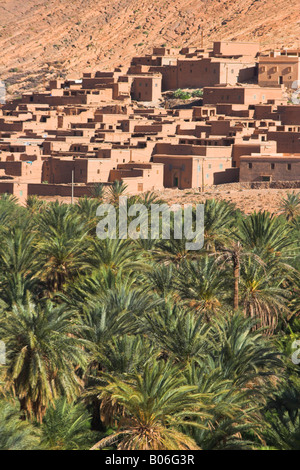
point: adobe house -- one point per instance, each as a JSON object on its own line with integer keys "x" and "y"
{"x": 235, "y": 48}
{"x": 248, "y": 95}
{"x": 289, "y": 115}
{"x": 270, "y": 167}
{"x": 90, "y": 128}
{"x": 189, "y": 166}
{"x": 250, "y": 147}
{"x": 278, "y": 69}
{"x": 139, "y": 176}
{"x": 146, "y": 87}
{"x": 198, "y": 73}
{"x": 15, "y": 188}
{"x": 287, "y": 140}
{"x": 23, "y": 170}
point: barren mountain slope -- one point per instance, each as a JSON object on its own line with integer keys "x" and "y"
{"x": 44, "y": 38}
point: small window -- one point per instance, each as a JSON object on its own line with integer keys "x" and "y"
{"x": 289, "y": 166}
{"x": 272, "y": 166}
{"x": 250, "y": 166}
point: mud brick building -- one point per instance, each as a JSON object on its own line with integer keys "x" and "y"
{"x": 279, "y": 68}
{"x": 275, "y": 167}
{"x": 115, "y": 125}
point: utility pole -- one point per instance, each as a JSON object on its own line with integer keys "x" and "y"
{"x": 72, "y": 188}
{"x": 202, "y": 175}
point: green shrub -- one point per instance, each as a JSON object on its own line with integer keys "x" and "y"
{"x": 197, "y": 94}
{"x": 182, "y": 95}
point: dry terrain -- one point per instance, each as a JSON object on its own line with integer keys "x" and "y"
{"x": 40, "y": 39}
{"x": 248, "y": 200}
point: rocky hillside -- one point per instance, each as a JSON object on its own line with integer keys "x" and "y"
{"x": 40, "y": 39}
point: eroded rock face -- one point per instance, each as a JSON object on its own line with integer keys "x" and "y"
{"x": 47, "y": 39}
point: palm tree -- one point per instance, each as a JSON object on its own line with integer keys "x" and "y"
{"x": 201, "y": 284}
{"x": 282, "y": 417}
{"x": 116, "y": 190}
{"x": 15, "y": 433}
{"x": 263, "y": 294}
{"x": 118, "y": 355}
{"x": 244, "y": 354}
{"x": 117, "y": 311}
{"x": 97, "y": 191}
{"x": 290, "y": 206}
{"x": 18, "y": 263}
{"x": 162, "y": 279}
{"x": 220, "y": 220}
{"x": 177, "y": 333}
{"x": 233, "y": 253}
{"x": 267, "y": 236}
{"x": 63, "y": 246}
{"x": 262, "y": 240}
{"x": 66, "y": 426}
{"x": 155, "y": 405}
{"x": 116, "y": 254}
{"x": 87, "y": 208}
{"x": 35, "y": 204}
{"x": 283, "y": 432}
{"x": 149, "y": 198}
{"x": 43, "y": 352}
{"x": 235, "y": 420}
{"x": 10, "y": 211}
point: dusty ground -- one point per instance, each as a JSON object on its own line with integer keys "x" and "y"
{"x": 248, "y": 200}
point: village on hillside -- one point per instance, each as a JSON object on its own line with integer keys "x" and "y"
{"x": 236, "y": 119}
